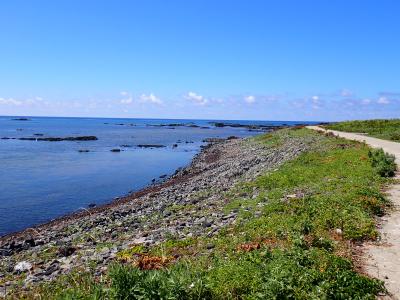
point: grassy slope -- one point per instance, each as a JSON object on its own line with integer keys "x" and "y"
{"x": 293, "y": 238}
{"x": 384, "y": 129}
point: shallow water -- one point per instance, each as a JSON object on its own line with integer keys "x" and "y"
{"x": 41, "y": 180}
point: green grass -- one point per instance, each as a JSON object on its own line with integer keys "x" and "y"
{"x": 383, "y": 129}
{"x": 300, "y": 227}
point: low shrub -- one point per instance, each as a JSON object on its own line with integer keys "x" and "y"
{"x": 383, "y": 163}
{"x": 297, "y": 273}
{"x": 178, "y": 282}
{"x": 395, "y": 136}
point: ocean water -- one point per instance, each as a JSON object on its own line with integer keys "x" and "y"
{"x": 42, "y": 180}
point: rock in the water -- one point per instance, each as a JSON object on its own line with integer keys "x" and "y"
{"x": 59, "y": 139}
{"x": 213, "y": 140}
{"x": 150, "y": 146}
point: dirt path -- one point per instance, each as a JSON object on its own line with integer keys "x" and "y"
{"x": 382, "y": 259}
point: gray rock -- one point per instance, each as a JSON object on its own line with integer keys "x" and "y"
{"x": 22, "y": 266}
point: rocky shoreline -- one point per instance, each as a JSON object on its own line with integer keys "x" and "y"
{"x": 188, "y": 204}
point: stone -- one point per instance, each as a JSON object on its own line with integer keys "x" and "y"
{"x": 5, "y": 252}
{"x": 22, "y": 266}
{"x": 150, "y": 146}
{"x": 338, "y": 231}
{"x": 210, "y": 246}
{"x": 207, "y": 224}
{"x": 30, "y": 242}
{"x": 139, "y": 241}
{"x": 51, "y": 269}
{"x": 59, "y": 139}
{"x": 66, "y": 251}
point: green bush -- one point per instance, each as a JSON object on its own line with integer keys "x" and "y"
{"x": 395, "y": 136}
{"x": 298, "y": 273}
{"x": 383, "y": 129}
{"x": 383, "y": 163}
{"x": 179, "y": 282}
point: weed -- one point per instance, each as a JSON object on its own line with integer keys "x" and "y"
{"x": 382, "y": 162}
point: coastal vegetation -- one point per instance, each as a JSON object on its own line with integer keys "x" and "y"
{"x": 383, "y": 163}
{"x": 388, "y": 129}
{"x": 296, "y": 236}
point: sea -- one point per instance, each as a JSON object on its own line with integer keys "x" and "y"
{"x": 43, "y": 180}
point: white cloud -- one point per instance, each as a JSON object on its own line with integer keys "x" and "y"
{"x": 312, "y": 106}
{"x": 151, "y": 98}
{"x": 273, "y": 97}
{"x": 366, "y": 101}
{"x": 195, "y": 98}
{"x": 383, "y": 100}
{"x": 346, "y": 93}
{"x": 389, "y": 94}
{"x": 250, "y": 99}
{"x": 315, "y": 102}
{"x": 22, "y": 102}
{"x": 127, "y": 98}
{"x": 11, "y": 101}
{"x": 315, "y": 99}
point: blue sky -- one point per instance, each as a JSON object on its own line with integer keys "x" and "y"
{"x": 266, "y": 60}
